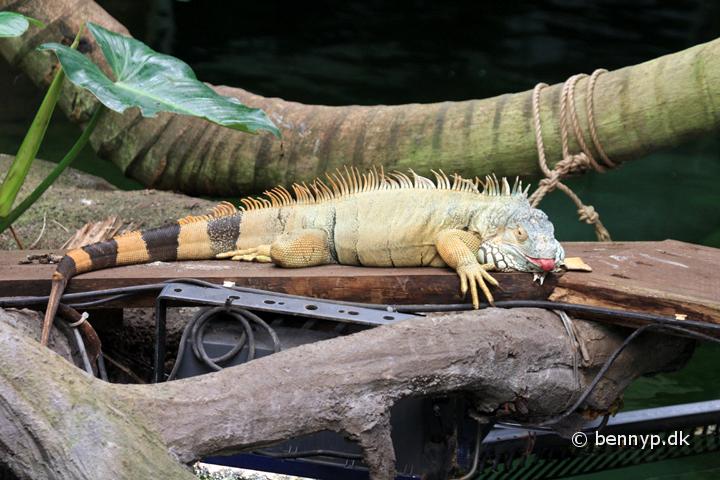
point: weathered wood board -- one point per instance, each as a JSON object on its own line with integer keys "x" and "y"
{"x": 666, "y": 277}
{"x": 360, "y": 284}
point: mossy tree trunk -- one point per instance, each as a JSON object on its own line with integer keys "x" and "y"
{"x": 56, "y": 422}
{"x": 638, "y": 110}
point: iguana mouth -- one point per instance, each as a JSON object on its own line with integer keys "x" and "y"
{"x": 545, "y": 264}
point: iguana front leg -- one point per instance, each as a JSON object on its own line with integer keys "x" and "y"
{"x": 458, "y": 248}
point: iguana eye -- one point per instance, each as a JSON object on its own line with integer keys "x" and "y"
{"x": 520, "y": 234}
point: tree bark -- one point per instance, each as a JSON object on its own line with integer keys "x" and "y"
{"x": 57, "y": 422}
{"x": 638, "y": 110}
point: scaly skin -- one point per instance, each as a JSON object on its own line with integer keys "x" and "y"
{"x": 369, "y": 219}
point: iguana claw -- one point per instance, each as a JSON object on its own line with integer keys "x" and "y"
{"x": 473, "y": 275}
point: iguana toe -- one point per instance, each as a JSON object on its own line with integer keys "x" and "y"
{"x": 258, "y": 254}
{"x": 252, "y": 257}
{"x": 472, "y": 276}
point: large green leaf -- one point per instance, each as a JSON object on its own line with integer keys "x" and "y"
{"x": 154, "y": 83}
{"x": 13, "y": 24}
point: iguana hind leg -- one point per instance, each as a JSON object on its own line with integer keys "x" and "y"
{"x": 260, "y": 254}
{"x": 458, "y": 248}
{"x": 305, "y": 248}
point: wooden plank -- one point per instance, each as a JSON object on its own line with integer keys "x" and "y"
{"x": 375, "y": 285}
{"x": 666, "y": 278}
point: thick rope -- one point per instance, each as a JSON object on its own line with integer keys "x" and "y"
{"x": 571, "y": 163}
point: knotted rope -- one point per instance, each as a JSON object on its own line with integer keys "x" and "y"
{"x": 571, "y": 163}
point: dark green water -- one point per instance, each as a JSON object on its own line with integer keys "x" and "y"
{"x": 420, "y": 51}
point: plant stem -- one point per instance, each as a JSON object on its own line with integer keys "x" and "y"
{"x": 30, "y": 145}
{"x": 17, "y": 239}
{"x": 5, "y": 222}
{"x": 33, "y": 138}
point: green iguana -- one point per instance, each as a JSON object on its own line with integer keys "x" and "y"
{"x": 371, "y": 219}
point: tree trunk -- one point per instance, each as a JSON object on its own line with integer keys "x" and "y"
{"x": 57, "y": 422}
{"x": 638, "y": 110}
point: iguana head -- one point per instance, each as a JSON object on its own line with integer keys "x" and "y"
{"x": 524, "y": 241}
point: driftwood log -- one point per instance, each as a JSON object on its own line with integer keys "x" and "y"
{"x": 638, "y": 110}
{"x": 58, "y": 423}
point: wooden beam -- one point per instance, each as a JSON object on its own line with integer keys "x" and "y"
{"x": 360, "y": 284}
{"x": 666, "y": 278}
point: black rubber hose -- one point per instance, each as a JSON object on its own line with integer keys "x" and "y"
{"x": 194, "y": 332}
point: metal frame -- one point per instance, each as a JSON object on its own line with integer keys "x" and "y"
{"x": 184, "y": 293}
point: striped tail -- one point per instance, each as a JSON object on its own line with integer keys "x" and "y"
{"x": 190, "y": 238}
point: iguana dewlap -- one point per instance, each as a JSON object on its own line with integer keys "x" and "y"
{"x": 371, "y": 219}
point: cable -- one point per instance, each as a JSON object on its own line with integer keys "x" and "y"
{"x": 101, "y": 367}
{"x": 608, "y": 363}
{"x": 310, "y": 453}
{"x": 83, "y": 352}
{"x": 567, "y": 307}
{"x": 604, "y": 369}
{"x": 66, "y": 298}
{"x": 72, "y": 321}
{"x": 195, "y": 333}
{"x": 101, "y": 301}
{"x": 476, "y": 455}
